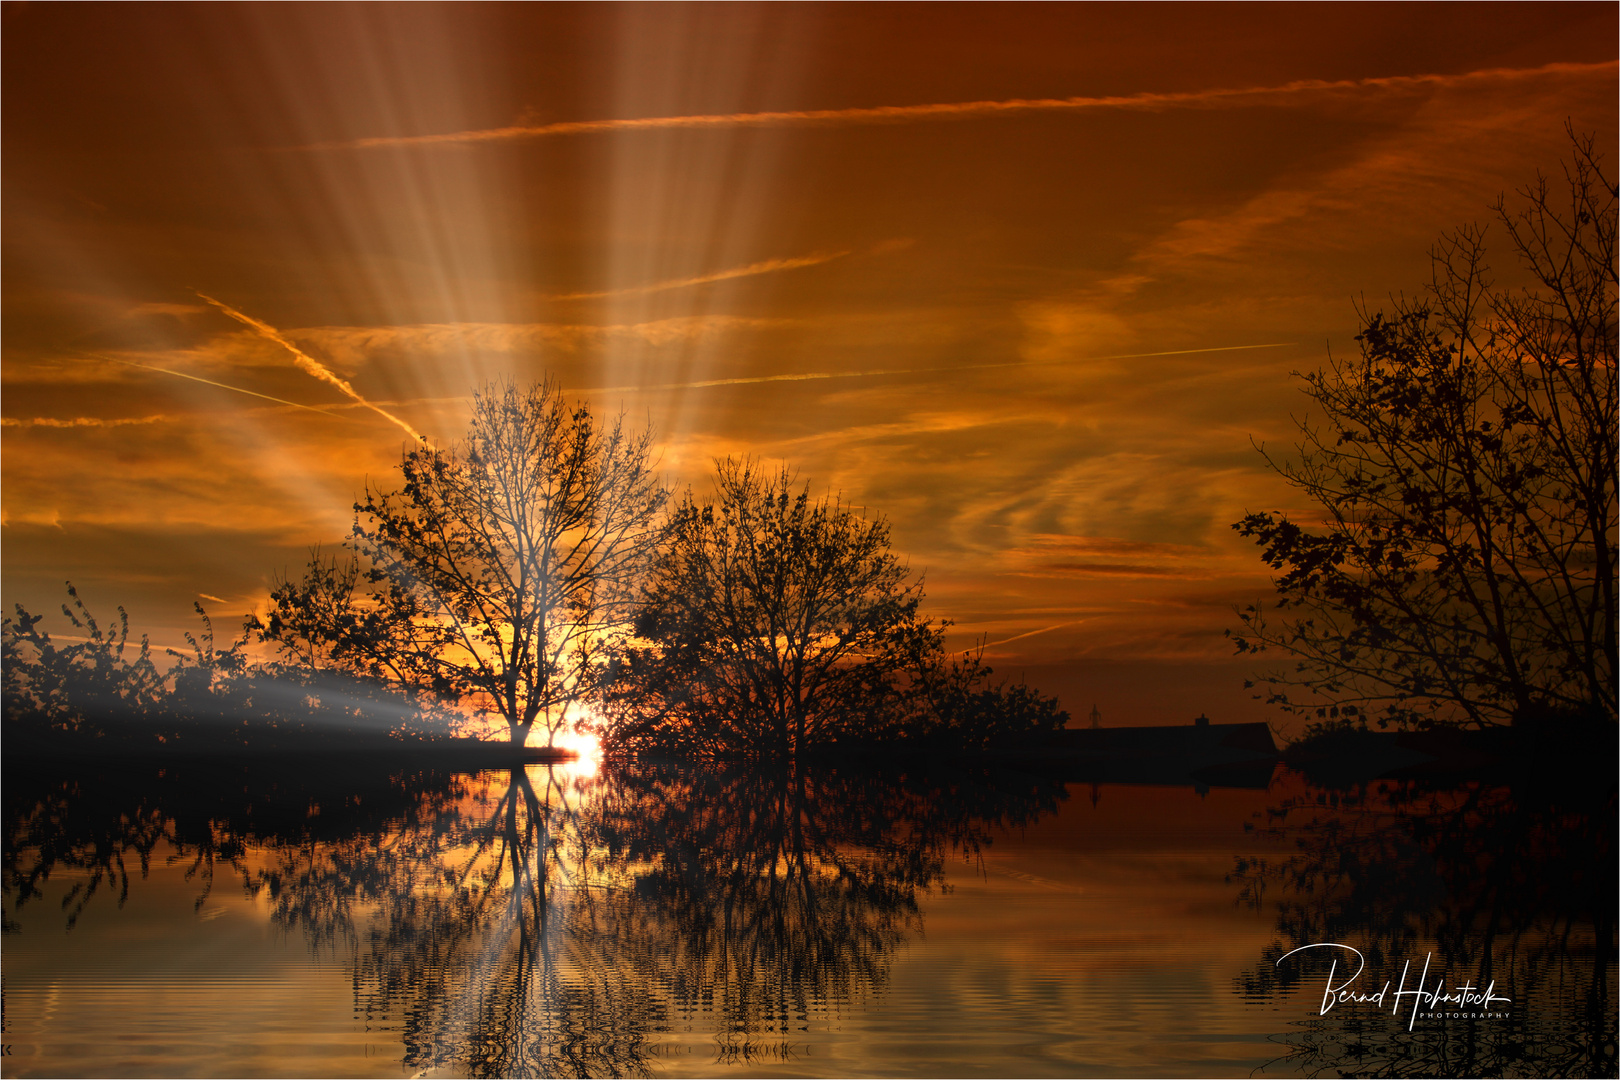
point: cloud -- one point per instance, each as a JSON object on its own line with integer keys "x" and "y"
{"x": 1129, "y": 570}
{"x": 767, "y": 266}
{"x": 309, "y": 364}
{"x": 804, "y": 376}
{"x": 941, "y": 423}
{"x": 1215, "y": 98}
{"x": 159, "y": 307}
{"x": 1105, "y": 546}
{"x": 1112, "y": 557}
{"x": 81, "y": 421}
{"x": 194, "y": 475}
{"x": 1435, "y": 159}
{"x": 357, "y": 343}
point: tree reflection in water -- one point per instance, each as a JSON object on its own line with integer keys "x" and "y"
{"x": 1512, "y": 884}
{"x": 528, "y": 923}
{"x": 104, "y": 823}
{"x": 490, "y": 942}
{"x": 554, "y": 929}
{"x": 524, "y": 923}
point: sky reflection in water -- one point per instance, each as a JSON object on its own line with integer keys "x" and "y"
{"x": 663, "y": 920}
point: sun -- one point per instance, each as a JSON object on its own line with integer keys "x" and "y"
{"x": 576, "y": 734}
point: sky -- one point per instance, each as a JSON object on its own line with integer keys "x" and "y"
{"x": 1028, "y": 281}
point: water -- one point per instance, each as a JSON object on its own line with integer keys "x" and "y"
{"x": 669, "y": 921}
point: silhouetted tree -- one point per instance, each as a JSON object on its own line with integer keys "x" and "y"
{"x": 1464, "y": 465}
{"x": 225, "y": 693}
{"x": 499, "y": 572}
{"x": 326, "y": 622}
{"x": 89, "y": 696}
{"x": 52, "y": 690}
{"x": 772, "y": 621}
{"x": 955, "y": 707}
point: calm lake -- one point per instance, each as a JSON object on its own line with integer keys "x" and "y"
{"x": 664, "y": 920}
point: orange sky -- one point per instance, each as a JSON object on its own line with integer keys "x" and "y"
{"x": 995, "y": 271}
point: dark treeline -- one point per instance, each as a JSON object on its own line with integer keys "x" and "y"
{"x": 102, "y": 693}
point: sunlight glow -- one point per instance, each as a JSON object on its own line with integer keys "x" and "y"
{"x": 579, "y": 735}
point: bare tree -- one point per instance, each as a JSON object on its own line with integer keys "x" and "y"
{"x": 500, "y": 571}
{"x": 1464, "y": 463}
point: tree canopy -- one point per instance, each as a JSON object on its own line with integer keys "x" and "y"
{"x": 500, "y": 571}
{"x": 1463, "y": 571}
{"x": 776, "y": 623}
{"x": 771, "y": 619}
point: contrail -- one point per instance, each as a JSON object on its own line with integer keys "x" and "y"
{"x": 211, "y": 382}
{"x": 1234, "y": 97}
{"x": 1032, "y": 633}
{"x": 310, "y": 364}
{"x": 810, "y": 375}
{"x": 767, "y": 266}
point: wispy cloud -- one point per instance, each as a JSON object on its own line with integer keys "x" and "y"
{"x": 1093, "y": 557}
{"x": 309, "y": 364}
{"x": 804, "y": 376}
{"x": 1046, "y": 545}
{"x": 359, "y": 343}
{"x": 161, "y": 307}
{"x": 1460, "y": 147}
{"x": 1214, "y": 98}
{"x": 81, "y": 421}
{"x": 1126, "y": 570}
{"x": 767, "y": 266}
